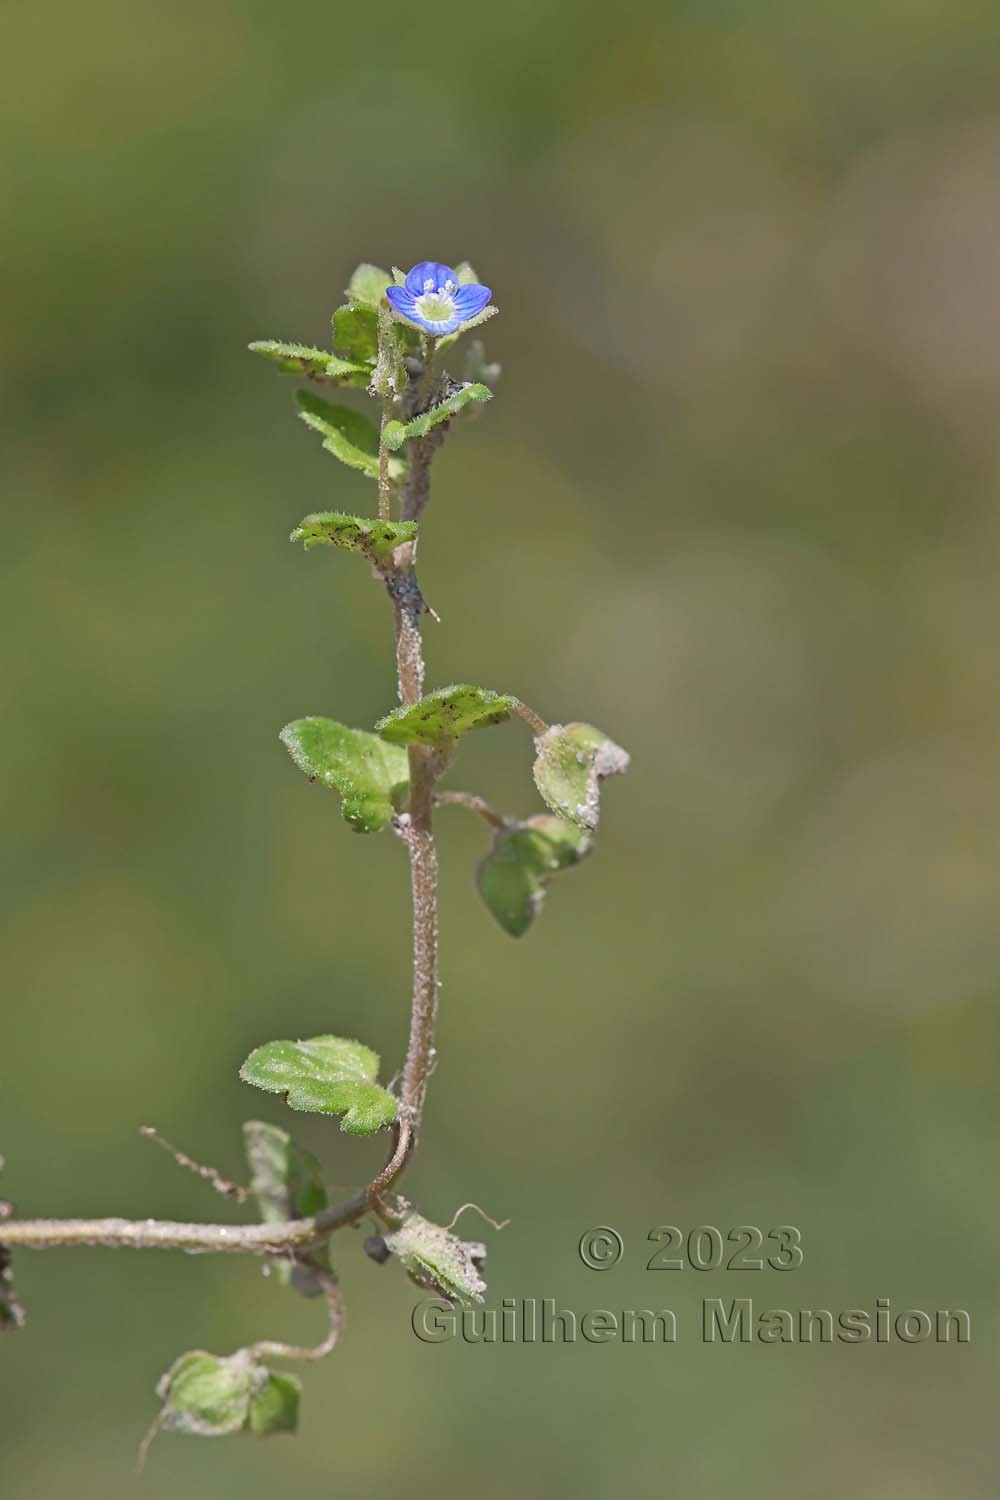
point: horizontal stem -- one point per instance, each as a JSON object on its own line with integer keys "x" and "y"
{"x": 164, "y": 1234}
{"x": 474, "y": 803}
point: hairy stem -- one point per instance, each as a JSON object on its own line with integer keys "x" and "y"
{"x": 530, "y": 717}
{"x": 474, "y": 803}
{"x": 418, "y": 830}
{"x": 383, "y": 462}
{"x": 275, "y": 1349}
{"x": 162, "y": 1234}
{"x": 423, "y": 883}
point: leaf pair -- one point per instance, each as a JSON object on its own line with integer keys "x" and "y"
{"x": 571, "y": 762}
{"x": 438, "y": 1260}
{"x": 372, "y": 774}
{"x": 207, "y": 1395}
{"x": 371, "y": 771}
{"x": 514, "y": 876}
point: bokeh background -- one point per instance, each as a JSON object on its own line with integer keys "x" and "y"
{"x": 736, "y": 503}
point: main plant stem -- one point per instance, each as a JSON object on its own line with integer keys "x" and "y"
{"x": 423, "y": 883}
{"x": 417, "y": 829}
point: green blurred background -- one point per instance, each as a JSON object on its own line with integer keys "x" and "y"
{"x": 734, "y": 503}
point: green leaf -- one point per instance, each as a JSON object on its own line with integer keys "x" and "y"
{"x": 347, "y": 434}
{"x": 368, "y": 284}
{"x": 371, "y": 777}
{"x": 513, "y": 876}
{"x": 466, "y": 275}
{"x": 444, "y": 715}
{"x": 324, "y": 1075}
{"x": 438, "y": 1260}
{"x": 396, "y": 433}
{"x": 286, "y": 1181}
{"x": 376, "y": 540}
{"x": 206, "y": 1395}
{"x": 302, "y": 359}
{"x": 572, "y": 760}
{"x": 355, "y": 332}
{"x": 274, "y": 1406}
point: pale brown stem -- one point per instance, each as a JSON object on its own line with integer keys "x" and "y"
{"x": 473, "y": 803}
{"x": 275, "y": 1349}
{"x": 423, "y": 881}
{"x": 530, "y": 717}
{"x": 163, "y": 1234}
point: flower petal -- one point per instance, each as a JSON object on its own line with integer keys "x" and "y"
{"x": 403, "y": 301}
{"x": 470, "y": 300}
{"x": 428, "y": 270}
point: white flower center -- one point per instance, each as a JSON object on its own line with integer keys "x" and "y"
{"x": 437, "y": 303}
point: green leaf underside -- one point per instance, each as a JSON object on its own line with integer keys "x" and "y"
{"x": 286, "y": 1182}
{"x": 303, "y": 359}
{"x": 274, "y": 1406}
{"x": 396, "y": 433}
{"x": 374, "y": 539}
{"x": 438, "y": 1260}
{"x": 445, "y": 714}
{"x": 572, "y": 760}
{"x": 324, "y": 1075}
{"x": 368, "y": 284}
{"x": 347, "y": 434}
{"x": 355, "y": 333}
{"x": 206, "y": 1395}
{"x": 514, "y": 875}
{"x": 371, "y": 776}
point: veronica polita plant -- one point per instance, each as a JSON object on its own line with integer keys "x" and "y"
{"x": 390, "y": 339}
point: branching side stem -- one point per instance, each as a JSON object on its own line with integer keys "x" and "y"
{"x": 162, "y": 1234}
{"x": 474, "y": 803}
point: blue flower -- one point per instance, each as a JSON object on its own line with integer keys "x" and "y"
{"x": 432, "y": 298}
